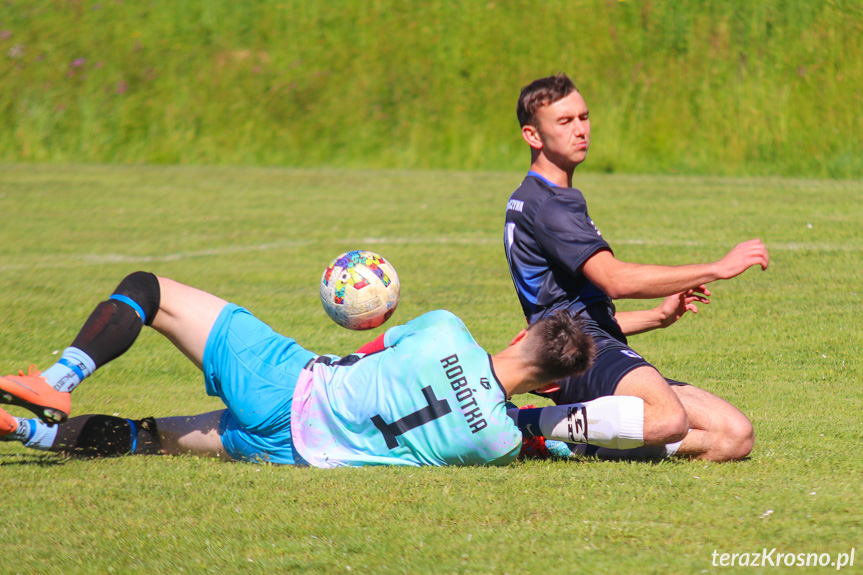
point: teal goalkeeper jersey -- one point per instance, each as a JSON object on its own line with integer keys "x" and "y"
{"x": 429, "y": 398}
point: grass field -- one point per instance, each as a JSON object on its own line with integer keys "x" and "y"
{"x": 783, "y": 345}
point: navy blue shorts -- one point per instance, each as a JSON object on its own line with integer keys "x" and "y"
{"x": 614, "y": 359}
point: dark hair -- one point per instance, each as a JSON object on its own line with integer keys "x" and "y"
{"x": 557, "y": 347}
{"x": 541, "y": 93}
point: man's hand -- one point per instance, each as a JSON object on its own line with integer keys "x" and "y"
{"x": 666, "y": 313}
{"x": 741, "y": 258}
{"x": 675, "y": 306}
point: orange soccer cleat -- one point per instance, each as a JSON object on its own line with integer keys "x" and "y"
{"x": 32, "y": 392}
{"x": 7, "y": 423}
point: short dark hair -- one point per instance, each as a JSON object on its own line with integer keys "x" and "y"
{"x": 541, "y": 93}
{"x": 557, "y": 347}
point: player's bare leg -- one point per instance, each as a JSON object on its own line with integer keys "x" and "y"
{"x": 186, "y": 316}
{"x": 665, "y": 419}
{"x": 710, "y": 428}
{"x": 192, "y": 435}
{"x": 719, "y": 431}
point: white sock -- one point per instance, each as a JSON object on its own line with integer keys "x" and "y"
{"x": 73, "y": 367}
{"x": 615, "y": 421}
{"x": 645, "y": 452}
{"x": 671, "y": 448}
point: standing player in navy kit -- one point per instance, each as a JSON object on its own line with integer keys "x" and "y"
{"x": 559, "y": 261}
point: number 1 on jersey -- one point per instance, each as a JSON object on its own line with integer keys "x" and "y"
{"x": 436, "y": 408}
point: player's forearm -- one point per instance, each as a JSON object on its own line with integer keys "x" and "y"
{"x": 639, "y": 281}
{"x": 636, "y": 322}
{"x": 626, "y": 280}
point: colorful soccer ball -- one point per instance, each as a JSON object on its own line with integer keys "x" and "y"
{"x": 360, "y": 290}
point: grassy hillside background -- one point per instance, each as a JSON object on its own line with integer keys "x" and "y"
{"x": 729, "y": 88}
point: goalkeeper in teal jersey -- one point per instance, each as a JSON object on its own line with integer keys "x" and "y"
{"x": 424, "y": 393}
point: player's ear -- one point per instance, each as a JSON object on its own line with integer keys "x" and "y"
{"x": 518, "y": 337}
{"x": 531, "y": 136}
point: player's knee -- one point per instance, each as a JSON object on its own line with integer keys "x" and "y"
{"x": 673, "y": 425}
{"x": 141, "y": 291}
{"x": 732, "y": 440}
{"x": 739, "y": 438}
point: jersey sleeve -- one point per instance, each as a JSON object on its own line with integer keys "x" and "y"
{"x": 509, "y": 457}
{"x": 566, "y": 234}
{"x": 373, "y": 346}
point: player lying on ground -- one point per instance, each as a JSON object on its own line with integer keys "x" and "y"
{"x": 560, "y": 262}
{"x": 424, "y": 393}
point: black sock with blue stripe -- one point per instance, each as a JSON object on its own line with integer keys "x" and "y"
{"x": 109, "y": 332}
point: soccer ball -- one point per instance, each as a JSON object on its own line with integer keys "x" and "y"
{"x": 360, "y": 290}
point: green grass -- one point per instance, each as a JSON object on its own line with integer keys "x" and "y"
{"x": 754, "y": 88}
{"x": 783, "y": 345}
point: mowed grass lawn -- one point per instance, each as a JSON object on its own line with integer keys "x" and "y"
{"x": 783, "y": 345}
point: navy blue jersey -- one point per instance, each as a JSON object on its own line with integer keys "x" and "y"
{"x": 548, "y": 237}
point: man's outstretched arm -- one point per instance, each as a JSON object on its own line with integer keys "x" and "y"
{"x": 624, "y": 280}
